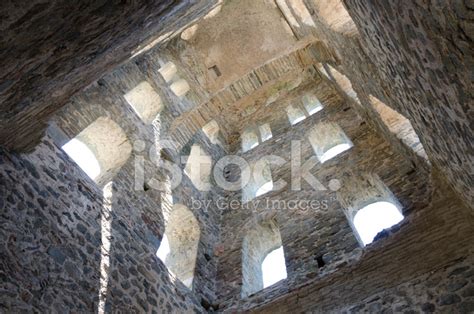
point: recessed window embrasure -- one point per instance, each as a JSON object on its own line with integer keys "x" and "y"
{"x": 328, "y": 140}
{"x": 263, "y": 260}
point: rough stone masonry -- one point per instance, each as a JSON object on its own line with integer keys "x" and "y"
{"x": 154, "y": 156}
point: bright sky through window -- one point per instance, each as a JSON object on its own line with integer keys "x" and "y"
{"x": 83, "y": 156}
{"x": 267, "y": 187}
{"x": 313, "y": 107}
{"x": 334, "y": 151}
{"x": 249, "y": 140}
{"x": 273, "y": 267}
{"x": 164, "y": 249}
{"x": 299, "y": 119}
{"x": 295, "y": 114}
{"x": 313, "y": 110}
{"x": 265, "y": 132}
{"x": 375, "y": 217}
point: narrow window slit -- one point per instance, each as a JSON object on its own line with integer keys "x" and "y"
{"x": 320, "y": 261}
{"x": 215, "y": 72}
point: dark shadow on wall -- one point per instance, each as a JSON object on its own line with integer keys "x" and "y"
{"x": 49, "y": 234}
{"x": 65, "y": 241}
{"x": 133, "y": 278}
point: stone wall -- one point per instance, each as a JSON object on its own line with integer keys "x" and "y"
{"x": 322, "y": 233}
{"x": 422, "y": 246}
{"x": 80, "y": 238}
{"x": 256, "y": 30}
{"x": 425, "y": 62}
{"x": 415, "y": 58}
{"x": 393, "y": 76}
{"x": 54, "y": 224}
{"x": 52, "y": 50}
{"x": 449, "y": 289}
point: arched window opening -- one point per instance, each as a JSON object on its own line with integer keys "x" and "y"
{"x": 211, "y": 129}
{"x": 198, "y": 168}
{"x": 164, "y": 248}
{"x": 168, "y": 71}
{"x": 263, "y": 261}
{"x": 273, "y": 267}
{"x": 344, "y": 83}
{"x": 273, "y": 98}
{"x": 248, "y": 111}
{"x": 328, "y": 140}
{"x": 335, "y": 16}
{"x": 312, "y": 104}
{"x": 295, "y": 114}
{"x": 293, "y": 84}
{"x": 178, "y": 249}
{"x": 83, "y": 156}
{"x": 145, "y": 101}
{"x": 189, "y": 32}
{"x": 249, "y": 140}
{"x": 260, "y": 183}
{"x": 265, "y": 132}
{"x": 368, "y": 204}
{"x": 100, "y": 150}
{"x": 376, "y": 217}
{"x": 217, "y": 8}
{"x": 179, "y": 86}
{"x": 253, "y": 136}
{"x": 334, "y": 151}
{"x": 398, "y": 125}
{"x": 265, "y": 188}
{"x": 309, "y": 105}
